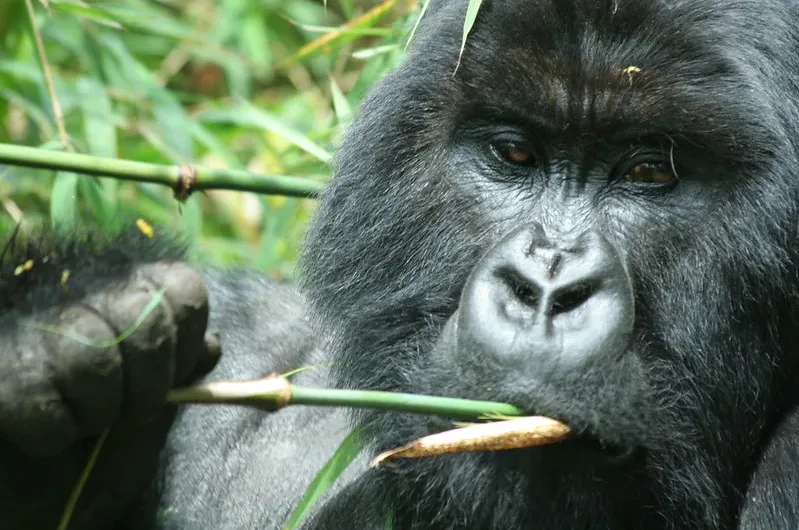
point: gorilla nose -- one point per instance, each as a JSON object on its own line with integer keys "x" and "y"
{"x": 555, "y": 302}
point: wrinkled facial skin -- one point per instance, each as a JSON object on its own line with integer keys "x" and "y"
{"x": 592, "y": 218}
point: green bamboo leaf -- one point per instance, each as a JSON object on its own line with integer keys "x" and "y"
{"x": 171, "y": 120}
{"x": 368, "y": 53}
{"x": 152, "y": 21}
{"x": 341, "y": 459}
{"x": 99, "y": 63}
{"x": 248, "y": 115}
{"x": 98, "y": 117}
{"x": 101, "y": 200}
{"x": 347, "y": 8}
{"x": 32, "y": 110}
{"x": 340, "y": 104}
{"x": 471, "y": 16}
{"x": 23, "y": 71}
{"x": 278, "y": 221}
{"x": 169, "y": 134}
{"x": 192, "y": 217}
{"x": 418, "y": 21}
{"x": 212, "y": 143}
{"x": 85, "y": 11}
{"x": 63, "y": 200}
{"x": 352, "y": 32}
{"x": 255, "y": 42}
{"x": 339, "y": 37}
{"x": 101, "y": 136}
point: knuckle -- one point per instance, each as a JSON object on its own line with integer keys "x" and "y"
{"x": 137, "y": 324}
{"x": 79, "y": 328}
{"x": 87, "y": 368}
{"x": 184, "y": 288}
{"x": 187, "y": 296}
{"x": 33, "y": 415}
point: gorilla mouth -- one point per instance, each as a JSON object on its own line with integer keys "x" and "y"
{"x": 587, "y": 442}
{"x": 583, "y": 443}
{"x": 592, "y": 446}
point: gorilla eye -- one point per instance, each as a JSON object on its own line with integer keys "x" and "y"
{"x": 514, "y": 152}
{"x": 651, "y": 173}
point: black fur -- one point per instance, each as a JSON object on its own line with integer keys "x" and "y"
{"x": 707, "y": 413}
{"x": 713, "y": 261}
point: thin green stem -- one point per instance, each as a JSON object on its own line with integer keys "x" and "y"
{"x": 372, "y": 399}
{"x": 202, "y": 178}
{"x": 275, "y": 392}
{"x": 58, "y": 114}
{"x": 77, "y": 491}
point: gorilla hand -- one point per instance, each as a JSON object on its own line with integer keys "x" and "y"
{"x": 71, "y": 371}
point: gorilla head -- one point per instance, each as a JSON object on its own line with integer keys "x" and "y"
{"x": 590, "y": 214}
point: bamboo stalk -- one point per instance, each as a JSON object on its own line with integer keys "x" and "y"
{"x": 184, "y": 179}
{"x": 275, "y": 392}
{"x": 47, "y": 73}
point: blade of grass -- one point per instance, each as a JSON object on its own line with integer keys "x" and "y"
{"x": 248, "y": 114}
{"x": 63, "y": 200}
{"x": 366, "y": 20}
{"x": 74, "y": 496}
{"x": 347, "y": 451}
{"x": 149, "y": 308}
{"x": 471, "y": 16}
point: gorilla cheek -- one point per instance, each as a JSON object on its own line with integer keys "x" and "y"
{"x": 551, "y": 307}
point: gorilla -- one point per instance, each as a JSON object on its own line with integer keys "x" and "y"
{"x": 590, "y": 212}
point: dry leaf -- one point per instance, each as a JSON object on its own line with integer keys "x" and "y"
{"x": 495, "y": 436}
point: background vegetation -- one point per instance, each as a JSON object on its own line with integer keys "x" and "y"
{"x": 264, "y": 85}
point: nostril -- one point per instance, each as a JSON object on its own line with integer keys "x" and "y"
{"x": 572, "y": 296}
{"x": 525, "y": 291}
{"x": 552, "y": 321}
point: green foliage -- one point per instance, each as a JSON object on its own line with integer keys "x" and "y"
{"x": 468, "y": 23}
{"x": 347, "y": 451}
{"x": 263, "y": 85}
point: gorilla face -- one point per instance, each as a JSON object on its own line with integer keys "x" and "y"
{"x": 591, "y": 215}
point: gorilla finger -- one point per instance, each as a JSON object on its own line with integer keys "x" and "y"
{"x": 187, "y": 296}
{"x": 147, "y": 347}
{"x": 87, "y": 373}
{"x": 33, "y": 415}
{"x": 207, "y": 360}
